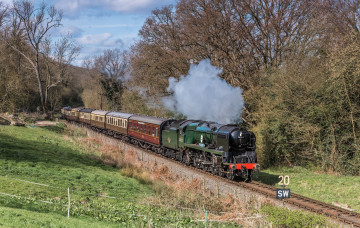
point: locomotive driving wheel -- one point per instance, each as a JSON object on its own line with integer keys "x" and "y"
{"x": 230, "y": 175}
{"x": 187, "y": 157}
{"x": 214, "y": 170}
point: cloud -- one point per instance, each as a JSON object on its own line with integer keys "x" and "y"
{"x": 94, "y": 39}
{"x": 74, "y": 31}
{"x": 7, "y": 2}
{"x": 114, "y": 43}
{"x": 73, "y": 8}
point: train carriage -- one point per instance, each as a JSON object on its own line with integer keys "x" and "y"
{"x": 85, "y": 115}
{"x": 146, "y": 128}
{"x": 74, "y": 114}
{"x": 98, "y": 118}
{"x": 117, "y": 122}
{"x": 66, "y": 111}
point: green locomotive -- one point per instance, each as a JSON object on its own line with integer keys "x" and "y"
{"x": 225, "y": 150}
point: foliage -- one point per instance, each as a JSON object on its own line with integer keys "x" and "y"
{"x": 282, "y": 217}
{"x": 34, "y": 69}
{"x": 308, "y": 114}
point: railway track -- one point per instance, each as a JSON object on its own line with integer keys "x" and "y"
{"x": 318, "y": 207}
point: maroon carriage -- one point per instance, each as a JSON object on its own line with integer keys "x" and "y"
{"x": 146, "y": 128}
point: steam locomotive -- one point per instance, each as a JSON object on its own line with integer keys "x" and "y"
{"x": 224, "y": 150}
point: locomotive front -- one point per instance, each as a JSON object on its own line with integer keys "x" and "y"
{"x": 239, "y": 155}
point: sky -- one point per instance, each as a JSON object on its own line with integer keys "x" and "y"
{"x": 103, "y": 24}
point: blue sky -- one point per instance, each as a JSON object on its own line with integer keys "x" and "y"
{"x": 98, "y": 25}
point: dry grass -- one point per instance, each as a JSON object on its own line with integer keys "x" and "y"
{"x": 173, "y": 191}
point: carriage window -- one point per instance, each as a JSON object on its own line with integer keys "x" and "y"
{"x": 156, "y": 132}
{"x": 153, "y": 132}
{"x": 149, "y": 130}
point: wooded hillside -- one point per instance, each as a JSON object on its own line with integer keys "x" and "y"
{"x": 297, "y": 61}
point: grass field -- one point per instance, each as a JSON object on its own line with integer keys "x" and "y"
{"x": 37, "y": 165}
{"x": 323, "y": 187}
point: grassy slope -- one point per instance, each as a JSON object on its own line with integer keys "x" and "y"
{"x": 42, "y": 155}
{"x": 11, "y": 217}
{"x": 323, "y": 187}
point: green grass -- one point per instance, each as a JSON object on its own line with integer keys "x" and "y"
{"x": 11, "y": 217}
{"x": 323, "y": 187}
{"x": 52, "y": 156}
{"x": 44, "y": 156}
{"x": 282, "y": 217}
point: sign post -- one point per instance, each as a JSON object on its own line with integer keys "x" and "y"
{"x": 282, "y": 193}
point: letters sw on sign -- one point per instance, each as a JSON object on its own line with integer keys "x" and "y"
{"x": 282, "y": 193}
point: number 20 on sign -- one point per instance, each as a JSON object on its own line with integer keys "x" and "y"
{"x": 285, "y": 180}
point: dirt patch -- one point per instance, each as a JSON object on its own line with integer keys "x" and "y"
{"x": 45, "y": 123}
{"x": 4, "y": 121}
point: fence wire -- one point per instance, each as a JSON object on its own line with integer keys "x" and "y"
{"x": 127, "y": 200}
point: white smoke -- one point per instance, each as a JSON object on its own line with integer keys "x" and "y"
{"x": 203, "y": 95}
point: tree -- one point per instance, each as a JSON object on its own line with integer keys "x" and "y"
{"x": 3, "y": 13}
{"x": 110, "y": 71}
{"x": 57, "y": 62}
{"x": 34, "y": 24}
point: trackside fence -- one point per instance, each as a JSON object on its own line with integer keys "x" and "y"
{"x": 117, "y": 211}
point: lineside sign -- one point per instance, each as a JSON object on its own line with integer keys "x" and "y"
{"x": 282, "y": 193}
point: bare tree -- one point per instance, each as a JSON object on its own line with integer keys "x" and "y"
{"x": 109, "y": 70}
{"x": 113, "y": 63}
{"x": 59, "y": 56}
{"x": 34, "y": 25}
{"x": 3, "y": 13}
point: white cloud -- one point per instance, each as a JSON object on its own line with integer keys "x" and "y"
{"x": 74, "y": 31}
{"x": 7, "y": 2}
{"x": 74, "y": 7}
{"x": 94, "y": 39}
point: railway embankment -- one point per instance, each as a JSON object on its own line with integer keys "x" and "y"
{"x": 217, "y": 186}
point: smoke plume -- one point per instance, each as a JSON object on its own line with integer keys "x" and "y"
{"x": 203, "y": 95}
